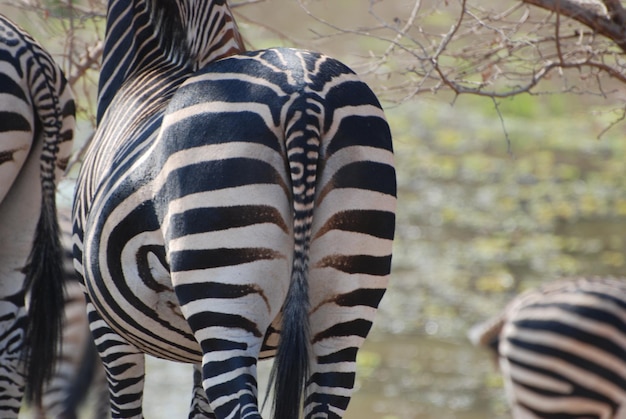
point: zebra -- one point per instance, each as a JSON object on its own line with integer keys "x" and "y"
{"x": 233, "y": 206}
{"x": 79, "y": 372}
{"x": 36, "y": 132}
{"x": 562, "y": 349}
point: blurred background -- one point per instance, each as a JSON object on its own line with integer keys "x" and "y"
{"x": 511, "y": 172}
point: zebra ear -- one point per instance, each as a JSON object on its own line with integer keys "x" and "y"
{"x": 487, "y": 333}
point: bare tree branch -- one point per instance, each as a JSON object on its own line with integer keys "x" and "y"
{"x": 616, "y": 11}
{"x": 89, "y": 60}
{"x": 606, "y": 24}
{"x": 477, "y": 47}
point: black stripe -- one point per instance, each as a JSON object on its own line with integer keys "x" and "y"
{"x": 191, "y": 292}
{"x": 219, "y": 128}
{"x": 368, "y": 175}
{"x": 345, "y": 355}
{"x": 369, "y": 131}
{"x": 12, "y": 121}
{"x": 361, "y": 297}
{"x": 358, "y": 327}
{"x": 357, "y": 264}
{"x": 213, "y": 345}
{"x": 10, "y": 87}
{"x": 605, "y": 344}
{"x": 191, "y": 260}
{"x": 215, "y": 368}
{"x": 333, "y": 379}
{"x": 200, "y": 220}
{"x": 207, "y": 318}
{"x": 221, "y": 174}
{"x": 373, "y": 222}
{"x": 570, "y": 358}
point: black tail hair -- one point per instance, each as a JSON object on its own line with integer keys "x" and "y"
{"x": 291, "y": 366}
{"x": 45, "y": 291}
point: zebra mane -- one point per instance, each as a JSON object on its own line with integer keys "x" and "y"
{"x": 195, "y": 32}
{"x": 169, "y": 29}
{"x": 142, "y": 34}
{"x": 139, "y": 35}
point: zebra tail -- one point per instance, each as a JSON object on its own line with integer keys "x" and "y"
{"x": 290, "y": 371}
{"x": 291, "y": 366}
{"x": 44, "y": 288}
{"x": 44, "y": 282}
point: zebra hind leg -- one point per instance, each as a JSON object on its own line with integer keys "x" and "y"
{"x": 230, "y": 336}
{"x": 11, "y": 368}
{"x": 124, "y": 365}
{"x": 229, "y": 373}
{"x": 349, "y": 266}
{"x": 200, "y": 408}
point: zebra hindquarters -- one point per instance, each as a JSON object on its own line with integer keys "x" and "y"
{"x": 228, "y": 231}
{"x": 280, "y": 193}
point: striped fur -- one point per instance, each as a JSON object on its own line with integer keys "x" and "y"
{"x": 232, "y": 211}
{"x": 36, "y": 133}
{"x": 562, "y": 349}
{"x": 79, "y": 373}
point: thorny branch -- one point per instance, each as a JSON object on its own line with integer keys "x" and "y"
{"x": 608, "y": 21}
{"x": 477, "y": 47}
{"x": 499, "y": 49}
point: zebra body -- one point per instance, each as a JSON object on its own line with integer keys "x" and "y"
{"x": 36, "y": 132}
{"x": 232, "y": 211}
{"x": 562, "y": 349}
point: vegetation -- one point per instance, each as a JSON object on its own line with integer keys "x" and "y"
{"x": 492, "y": 200}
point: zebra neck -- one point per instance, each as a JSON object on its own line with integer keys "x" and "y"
{"x": 144, "y": 35}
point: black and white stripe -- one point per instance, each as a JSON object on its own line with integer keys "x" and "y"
{"x": 36, "y": 132}
{"x": 241, "y": 210}
{"x": 562, "y": 349}
{"x": 79, "y": 376}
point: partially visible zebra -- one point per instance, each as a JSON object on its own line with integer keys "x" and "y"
{"x": 36, "y": 132}
{"x": 562, "y": 349}
{"x": 231, "y": 207}
{"x": 79, "y": 377}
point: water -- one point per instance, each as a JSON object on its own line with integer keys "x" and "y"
{"x": 400, "y": 378}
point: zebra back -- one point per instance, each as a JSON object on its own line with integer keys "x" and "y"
{"x": 561, "y": 349}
